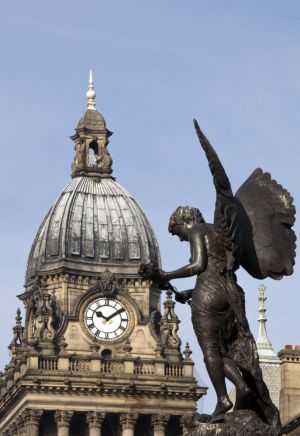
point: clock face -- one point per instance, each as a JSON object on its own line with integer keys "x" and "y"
{"x": 106, "y": 319}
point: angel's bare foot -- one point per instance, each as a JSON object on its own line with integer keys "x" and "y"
{"x": 223, "y": 405}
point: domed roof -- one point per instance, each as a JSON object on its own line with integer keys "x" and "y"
{"x": 93, "y": 120}
{"x": 93, "y": 225}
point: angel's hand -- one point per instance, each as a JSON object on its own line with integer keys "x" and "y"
{"x": 148, "y": 270}
{"x": 180, "y": 297}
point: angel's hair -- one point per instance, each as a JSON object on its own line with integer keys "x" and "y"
{"x": 185, "y": 214}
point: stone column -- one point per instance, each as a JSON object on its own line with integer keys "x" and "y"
{"x": 32, "y": 420}
{"x": 128, "y": 421}
{"x": 159, "y": 423}
{"x": 63, "y": 419}
{"x": 95, "y": 420}
{"x": 21, "y": 430}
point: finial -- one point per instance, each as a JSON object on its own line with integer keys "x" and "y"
{"x": 264, "y": 346}
{"x": 18, "y": 317}
{"x": 187, "y": 351}
{"x": 91, "y": 94}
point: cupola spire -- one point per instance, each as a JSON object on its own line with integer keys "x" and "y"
{"x": 264, "y": 346}
{"x": 92, "y": 158}
{"x": 91, "y": 94}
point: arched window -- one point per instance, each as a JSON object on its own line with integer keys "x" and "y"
{"x": 106, "y": 354}
{"x": 93, "y": 153}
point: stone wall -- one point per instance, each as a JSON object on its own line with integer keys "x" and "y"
{"x": 272, "y": 377}
{"x": 290, "y": 382}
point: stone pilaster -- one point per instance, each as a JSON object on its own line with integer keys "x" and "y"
{"x": 21, "y": 430}
{"x": 63, "y": 419}
{"x": 159, "y": 423}
{"x": 95, "y": 420}
{"x": 128, "y": 421}
{"x": 32, "y": 420}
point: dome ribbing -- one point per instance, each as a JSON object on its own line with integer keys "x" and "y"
{"x": 93, "y": 225}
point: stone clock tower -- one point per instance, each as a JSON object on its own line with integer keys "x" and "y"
{"x": 96, "y": 355}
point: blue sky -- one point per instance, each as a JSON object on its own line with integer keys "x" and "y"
{"x": 233, "y": 65}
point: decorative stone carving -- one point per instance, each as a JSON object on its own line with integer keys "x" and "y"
{"x": 43, "y": 315}
{"x": 63, "y": 418}
{"x": 158, "y": 350}
{"x": 127, "y": 347}
{"x": 21, "y": 430}
{"x": 159, "y": 422}
{"x": 107, "y": 284}
{"x": 187, "y": 352}
{"x": 62, "y": 345}
{"x": 32, "y": 419}
{"x": 169, "y": 326}
{"x": 94, "y": 347}
{"x": 95, "y": 419}
{"x": 18, "y": 335}
{"x": 128, "y": 420}
{"x": 155, "y": 318}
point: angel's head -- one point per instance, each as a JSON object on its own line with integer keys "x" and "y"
{"x": 184, "y": 218}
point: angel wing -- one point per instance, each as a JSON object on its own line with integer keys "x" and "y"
{"x": 256, "y": 224}
{"x": 226, "y": 217}
{"x": 267, "y": 215}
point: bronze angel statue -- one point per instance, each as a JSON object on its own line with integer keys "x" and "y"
{"x": 252, "y": 229}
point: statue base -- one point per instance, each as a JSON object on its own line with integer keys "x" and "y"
{"x": 237, "y": 423}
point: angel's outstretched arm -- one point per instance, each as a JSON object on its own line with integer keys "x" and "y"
{"x": 198, "y": 258}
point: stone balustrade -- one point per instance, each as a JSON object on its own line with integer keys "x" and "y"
{"x": 112, "y": 366}
{"x": 94, "y": 366}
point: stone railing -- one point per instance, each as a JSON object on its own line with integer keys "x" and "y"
{"x": 95, "y": 365}
{"x": 76, "y": 364}
{"x": 144, "y": 368}
{"x": 112, "y": 367}
{"x": 174, "y": 370}
{"x": 47, "y": 363}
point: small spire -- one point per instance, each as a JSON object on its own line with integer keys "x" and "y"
{"x": 18, "y": 317}
{"x": 264, "y": 346}
{"x": 91, "y": 94}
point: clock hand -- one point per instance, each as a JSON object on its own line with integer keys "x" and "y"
{"x": 115, "y": 314}
{"x": 100, "y": 315}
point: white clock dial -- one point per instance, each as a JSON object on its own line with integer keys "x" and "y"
{"x": 106, "y": 319}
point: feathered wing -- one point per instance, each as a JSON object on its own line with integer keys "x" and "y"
{"x": 255, "y": 225}
{"x": 267, "y": 215}
{"x": 226, "y": 217}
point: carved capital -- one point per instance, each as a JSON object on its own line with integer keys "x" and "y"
{"x": 159, "y": 422}
{"x": 95, "y": 419}
{"x": 21, "y": 424}
{"x": 32, "y": 417}
{"x": 128, "y": 420}
{"x": 63, "y": 418}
